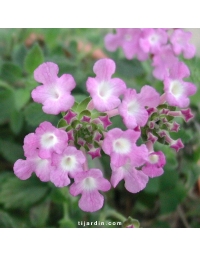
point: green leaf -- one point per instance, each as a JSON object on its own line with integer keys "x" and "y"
{"x": 170, "y": 199}
{"x": 16, "y": 121}
{"x": 18, "y": 194}
{"x": 22, "y": 96}
{"x": 6, "y": 221}
{"x": 84, "y": 113}
{"x": 39, "y": 214}
{"x": 11, "y": 151}
{"x": 33, "y": 58}
{"x": 19, "y": 54}
{"x": 5, "y": 85}
{"x": 67, "y": 223}
{"x": 62, "y": 123}
{"x": 11, "y": 72}
{"x": 34, "y": 115}
{"x": 74, "y": 107}
{"x": 184, "y": 135}
{"x": 83, "y": 105}
{"x": 152, "y": 186}
{"x": 57, "y": 196}
{"x": 168, "y": 180}
{"x": 6, "y": 104}
{"x": 95, "y": 113}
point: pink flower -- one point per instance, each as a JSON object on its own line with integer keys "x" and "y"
{"x": 120, "y": 145}
{"x": 88, "y": 183}
{"x": 176, "y": 90}
{"x": 135, "y": 180}
{"x": 23, "y": 169}
{"x": 152, "y": 39}
{"x": 133, "y": 106}
{"x": 47, "y": 139}
{"x": 68, "y": 163}
{"x": 163, "y": 61}
{"x": 55, "y": 92}
{"x": 180, "y": 43}
{"x": 103, "y": 89}
{"x": 153, "y": 167}
{"x": 128, "y": 40}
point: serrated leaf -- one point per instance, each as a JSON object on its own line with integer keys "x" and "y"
{"x": 33, "y": 58}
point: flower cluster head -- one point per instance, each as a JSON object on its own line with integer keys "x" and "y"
{"x": 60, "y": 154}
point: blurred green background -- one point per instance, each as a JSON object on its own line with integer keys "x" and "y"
{"x": 172, "y": 200}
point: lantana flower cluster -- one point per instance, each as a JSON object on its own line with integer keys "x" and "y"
{"x": 162, "y": 46}
{"x": 60, "y": 154}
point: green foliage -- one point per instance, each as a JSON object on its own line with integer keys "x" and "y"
{"x": 33, "y": 58}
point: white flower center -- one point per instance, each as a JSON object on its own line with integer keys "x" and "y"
{"x": 133, "y": 107}
{"x": 41, "y": 163}
{"x": 128, "y": 37}
{"x": 176, "y": 88}
{"x": 68, "y": 163}
{"x": 127, "y": 166}
{"x": 122, "y": 146}
{"x": 153, "y": 159}
{"x": 89, "y": 183}
{"x": 153, "y": 39}
{"x": 104, "y": 90}
{"x": 55, "y": 94}
{"x": 48, "y": 140}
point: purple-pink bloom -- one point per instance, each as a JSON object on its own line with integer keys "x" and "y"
{"x": 23, "y": 169}
{"x": 47, "y": 139}
{"x": 135, "y": 180}
{"x": 152, "y": 39}
{"x": 132, "y": 108}
{"x": 128, "y": 40}
{"x": 176, "y": 89}
{"x": 121, "y": 146}
{"x": 103, "y": 89}
{"x": 55, "y": 92}
{"x": 88, "y": 183}
{"x": 66, "y": 164}
{"x": 154, "y": 166}
{"x": 163, "y": 60}
{"x": 180, "y": 43}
